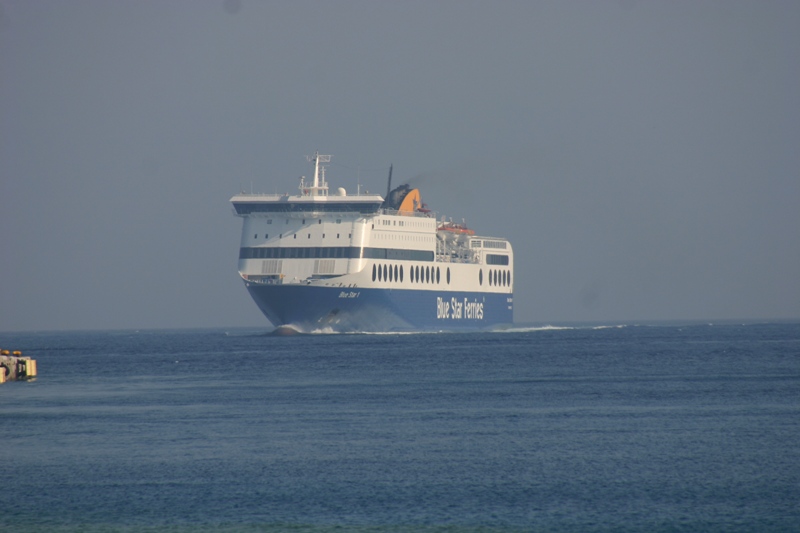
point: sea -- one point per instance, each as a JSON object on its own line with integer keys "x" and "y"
{"x": 588, "y": 427}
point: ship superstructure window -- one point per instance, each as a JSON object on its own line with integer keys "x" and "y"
{"x": 480, "y": 277}
{"x": 401, "y": 273}
{"x": 374, "y": 274}
{"x": 438, "y": 275}
{"x": 349, "y": 252}
{"x": 448, "y": 275}
{"x": 495, "y": 259}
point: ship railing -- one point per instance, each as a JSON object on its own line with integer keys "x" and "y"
{"x": 396, "y": 212}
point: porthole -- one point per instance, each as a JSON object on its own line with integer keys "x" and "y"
{"x": 380, "y": 273}
{"x": 448, "y": 275}
{"x": 395, "y": 272}
{"x": 438, "y": 275}
{"x": 374, "y": 273}
{"x": 401, "y": 273}
{"x": 427, "y": 275}
{"x": 391, "y": 276}
{"x": 385, "y": 272}
{"x": 480, "y": 277}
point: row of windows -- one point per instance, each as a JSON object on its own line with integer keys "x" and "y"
{"x": 429, "y": 274}
{"x": 418, "y": 274}
{"x": 319, "y": 221}
{"x": 245, "y": 208}
{"x": 344, "y": 252}
{"x": 494, "y": 259}
{"x": 500, "y": 277}
{"x": 496, "y": 278}
{"x": 280, "y": 236}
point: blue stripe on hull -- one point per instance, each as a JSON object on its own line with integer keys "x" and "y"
{"x": 310, "y": 308}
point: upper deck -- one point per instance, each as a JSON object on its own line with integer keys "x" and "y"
{"x": 313, "y": 198}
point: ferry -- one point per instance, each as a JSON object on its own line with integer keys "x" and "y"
{"x": 329, "y": 261}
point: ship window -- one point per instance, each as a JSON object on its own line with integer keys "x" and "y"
{"x": 374, "y": 274}
{"x": 266, "y": 235}
{"x": 304, "y": 221}
{"x": 480, "y": 277}
{"x": 295, "y": 235}
{"x": 427, "y": 275}
{"x": 380, "y": 273}
{"x": 323, "y": 235}
{"x": 395, "y": 272}
{"x": 495, "y": 259}
{"x": 497, "y": 277}
{"x": 419, "y": 275}
{"x": 509, "y": 279}
{"x": 320, "y": 221}
{"x": 438, "y": 275}
{"x": 255, "y": 236}
{"x": 385, "y": 272}
{"x": 401, "y": 273}
{"x": 504, "y": 278}
{"x": 337, "y": 235}
{"x": 391, "y": 274}
{"x": 448, "y": 275}
{"x": 490, "y": 278}
{"x": 309, "y": 235}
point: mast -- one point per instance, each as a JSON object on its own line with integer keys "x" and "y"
{"x": 318, "y": 187}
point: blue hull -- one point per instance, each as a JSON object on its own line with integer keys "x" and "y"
{"x": 309, "y": 308}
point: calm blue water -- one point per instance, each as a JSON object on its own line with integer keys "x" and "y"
{"x": 641, "y": 428}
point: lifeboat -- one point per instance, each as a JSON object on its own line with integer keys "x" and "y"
{"x": 456, "y": 228}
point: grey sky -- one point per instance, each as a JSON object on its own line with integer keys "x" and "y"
{"x": 643, "y": 157}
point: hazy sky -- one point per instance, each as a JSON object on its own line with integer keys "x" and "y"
{"x": 642, "y": 157}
